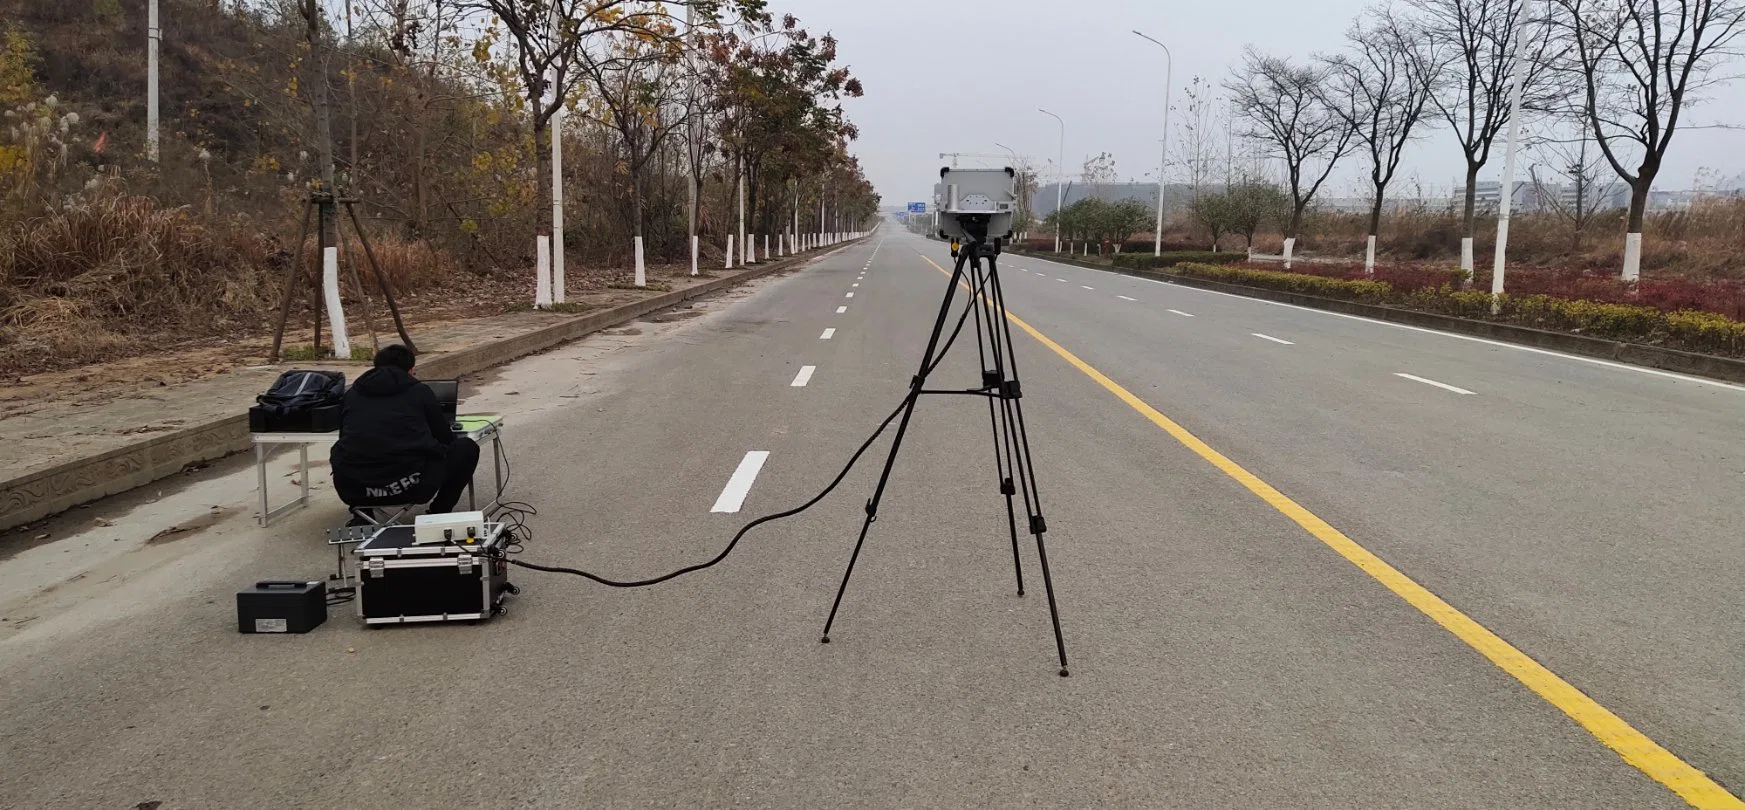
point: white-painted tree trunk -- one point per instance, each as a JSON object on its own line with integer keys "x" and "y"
{"x": 1466, "y": 255}
{"x": 1369, "y": 255}
{"x": 335, "y": 313}
{"x": 641, "y": 269}
{"x": 1632, "y": 256}
{"x": 693, "y": 254}
{"x": 766, "y": 253}
{"x": 751, "y": 249}
{"x": 1290, "y": 244}
{"x": 542, "y": 273}
{"x": 730, "y": 251}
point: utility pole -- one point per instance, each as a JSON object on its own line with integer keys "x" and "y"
{"x": 691, "y": 128}
{"x": 153, "y": 33}
{"x": 557, "y": 246}
{"x": 1508, "y": 190}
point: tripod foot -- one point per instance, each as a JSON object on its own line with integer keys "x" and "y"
{"x": 1064, "y": 673}
{"x": 824, "y": 640}
{"x": 1020, "y": 591}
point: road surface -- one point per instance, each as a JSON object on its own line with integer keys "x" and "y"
{"x": 1290, "y": 548}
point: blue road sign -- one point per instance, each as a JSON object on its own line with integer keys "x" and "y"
{"x": 917, "y": 208}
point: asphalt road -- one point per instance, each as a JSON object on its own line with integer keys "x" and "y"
{"x": 1222, "y": 655}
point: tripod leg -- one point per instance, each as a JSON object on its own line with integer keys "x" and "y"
{"x": 915, "y": 386}
{"x": 291, "y": 274}
{"x": 992, "y": 377}
{"x": 1026, "y": 469}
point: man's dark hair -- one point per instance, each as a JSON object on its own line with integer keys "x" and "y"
{"x": 397, "y": 356}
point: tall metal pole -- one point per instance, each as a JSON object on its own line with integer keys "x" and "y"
{"x": 153, "y": 33}
{"x": 557, "y": 242}
{"x": 1059, "y": 180}
{"x": 691, "y": 128}
{"x": 1163, "y": 163}
{"x": 1023, "y": 209}
{"x": 1508, "y": 190}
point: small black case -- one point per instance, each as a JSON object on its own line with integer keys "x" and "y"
{"x": 281, "y": 607}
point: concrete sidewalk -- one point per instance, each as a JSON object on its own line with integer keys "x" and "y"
{"x": 67, "y": 454}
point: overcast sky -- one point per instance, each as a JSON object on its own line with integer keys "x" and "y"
{"x": 958, "y": 76}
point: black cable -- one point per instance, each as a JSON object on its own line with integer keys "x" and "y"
{"x": 914, "y": 392}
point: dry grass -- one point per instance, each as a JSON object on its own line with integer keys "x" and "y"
{"x": 1705, "y": 241}
{"x": 119, "y": 275}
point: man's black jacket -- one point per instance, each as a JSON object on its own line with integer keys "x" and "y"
{"x": 390, "y": 428}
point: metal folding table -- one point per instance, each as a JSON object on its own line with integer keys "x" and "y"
{"x": 478, "y": 428}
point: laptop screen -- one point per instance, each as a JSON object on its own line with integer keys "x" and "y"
{"x": 447, "y": 394}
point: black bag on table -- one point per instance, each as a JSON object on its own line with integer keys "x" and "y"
{"x": 299, "y": 402}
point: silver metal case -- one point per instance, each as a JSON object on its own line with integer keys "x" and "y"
{"x": 971, "y": 194}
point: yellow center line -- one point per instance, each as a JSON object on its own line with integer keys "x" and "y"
{"x": 1691, "y": 784}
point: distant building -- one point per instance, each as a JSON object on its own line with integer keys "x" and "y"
{"x": 1488, "y": 197}
{"x": 1179, "y": 194}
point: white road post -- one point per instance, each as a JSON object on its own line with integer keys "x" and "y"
{"x": 1060, "y": 174}
{"x": 730, "y": 251}
{"x": 1163, "y": 163}
{"x": 1508, "y": 191}
{"x": 153, "y": 33}
{"x": 693, "y": 254}
{"x": 766, "y": 253}
{"x": 751, "y": 249}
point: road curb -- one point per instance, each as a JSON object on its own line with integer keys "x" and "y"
{"x": 1636, "y": 354}
{"x": 46, "y": 492}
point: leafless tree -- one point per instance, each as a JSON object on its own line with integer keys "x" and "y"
{"x": 1284, "y": 107}
{"x": 1641, "y": 62}
{"x": 1380, "y": 87}
{"x": 1473, "y": 95}
{"x": 1576, "y": 167}
{"x": 1200, "y": 131}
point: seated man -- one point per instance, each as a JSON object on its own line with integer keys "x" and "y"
{"x": 395, "y": 443}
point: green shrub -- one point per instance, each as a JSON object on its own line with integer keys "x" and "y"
{"x": 1148, "y": 261}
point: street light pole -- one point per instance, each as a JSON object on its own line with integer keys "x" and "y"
{"x": 1163, "y": 164}
{"x": 1059, "y": 187}
{"x": 1023, "y": 209}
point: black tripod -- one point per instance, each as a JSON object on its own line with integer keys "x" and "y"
{"x": 999, "y": 384}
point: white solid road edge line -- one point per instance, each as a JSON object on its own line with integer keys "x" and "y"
{"x": 1183, "y": 314}
{"x": 805, "y": 376}
{"x": 1653, "y": 372}
{"x": 1271, "y": 338}
{"x": 828, "y": 334}
{"x": 840, "y": 310}
{"x": 1443, "y": 386}
{"x": 738, "y": 486}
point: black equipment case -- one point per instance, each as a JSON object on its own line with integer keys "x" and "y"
{"x": 400, "y": 582}
{"x": 281, "y": 607}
